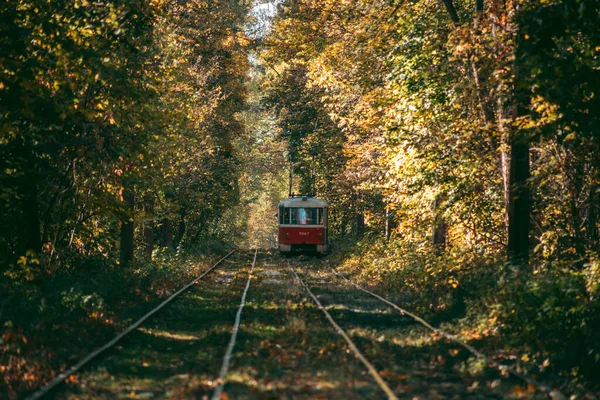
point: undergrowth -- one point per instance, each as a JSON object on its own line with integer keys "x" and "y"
{"x": 545, "y": 319}
{"x": 52, "y": 317}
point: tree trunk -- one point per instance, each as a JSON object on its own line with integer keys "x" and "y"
{"x": 593, "y": 205}
{"x": 148, "y": 226}
{"x": 390, "y": 223}
{"x": 479, "y": 6}
{"x": 360, "y": 218}
{"x": 181, "y": 230}
{"x": 451, "y": 11}
{"x": 440, "y": 229}
{"x": 30, "y": 204}
{"x": 505, "y": 172}
{"x": 32, "y": 235}
{"x": 127, "y": 229}
{"x": 504, "y": 155}
{"x": 166, "y": 237}
{"x": 575, "y": 184}
{"x": 519, "y": 202}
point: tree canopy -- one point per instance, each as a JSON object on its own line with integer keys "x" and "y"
{"x": 108, "y": 101}
{"x": 456, "y": 141}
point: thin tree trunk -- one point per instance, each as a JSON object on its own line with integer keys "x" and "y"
{"x": 62, "y": 219}
{"x": 389, "y": 221}
{"x": 519, "y": 202}
{"x": 440, "y": 229}
{"x": 451, "y": 11}
{"x": 166, "y": 236}
{"x": 181, "y": 230}
{"x": 33, "y": 238}
{"x": 479, "y": 6}
{"x": 80, "y": 217}
{"x": 593, "y": 205}
{"x": 576, "y": 188}
{"x": 148, "y": 226}
{"x": 360, "y": 218}
{"x": 57, "y": 198}
{"x": 505, "y": 173}
{"x": 127, "y": 229}
{"x": 74, "y": 230}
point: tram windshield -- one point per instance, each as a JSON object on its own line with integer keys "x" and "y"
{"x": 301, "y": 216}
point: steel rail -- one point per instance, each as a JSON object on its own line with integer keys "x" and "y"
{"x": 61, "y": 377}
{"x": 382, "y": 384}
{"x": 553, "y": 393}
{"x": 236, "y": 326}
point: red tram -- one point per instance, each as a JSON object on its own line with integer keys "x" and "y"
{"x": 303, "y": 225}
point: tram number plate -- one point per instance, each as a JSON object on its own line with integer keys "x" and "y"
{"x": 303, "y": 233}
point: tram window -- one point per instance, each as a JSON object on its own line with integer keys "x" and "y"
{"x": 307, "y": 216}
{"x": 284, "y": 215}
{"x": 295, "y": 219}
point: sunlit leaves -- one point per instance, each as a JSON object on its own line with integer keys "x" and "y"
{"x": 149, "y": 89}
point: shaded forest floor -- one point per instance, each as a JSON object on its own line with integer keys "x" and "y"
{"x": 286, "y": 348}
{"x": 51, "y": 320}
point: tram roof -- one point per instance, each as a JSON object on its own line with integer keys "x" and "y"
{"x": 302, "y": 201}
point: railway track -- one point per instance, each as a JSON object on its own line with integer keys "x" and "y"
{"x": 257, "y": 326}
{"x": 503, "y": 369}
{"x": 236, "y": 326}
{"x": 44, "y": 391}
{"x": 500, "y": 367}
{"x": 376, "y": 376}
{"x": 250, "y": 337}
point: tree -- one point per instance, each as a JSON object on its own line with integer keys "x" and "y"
{"x": 100, "y": 100}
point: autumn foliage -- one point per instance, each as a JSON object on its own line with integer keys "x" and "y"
{"x": 456, "y": 141}
{"x": 119, "y": 131}
{"x": 460, "y": 141}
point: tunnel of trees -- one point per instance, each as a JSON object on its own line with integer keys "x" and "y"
{"x": 457, "y": 142}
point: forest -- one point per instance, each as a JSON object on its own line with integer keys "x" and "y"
{"x": 457, "y": 142}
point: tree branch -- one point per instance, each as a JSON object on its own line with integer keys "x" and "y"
{"x": 451, "y": 11}
{"x": 479, "y": 6}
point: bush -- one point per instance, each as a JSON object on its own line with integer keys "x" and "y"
{"x": 550, "y": 319}
{"x": 436, "y": 285}
{"x": 555, "y": 314}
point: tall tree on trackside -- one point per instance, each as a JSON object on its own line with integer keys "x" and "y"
{"x": 516, "y": 173}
